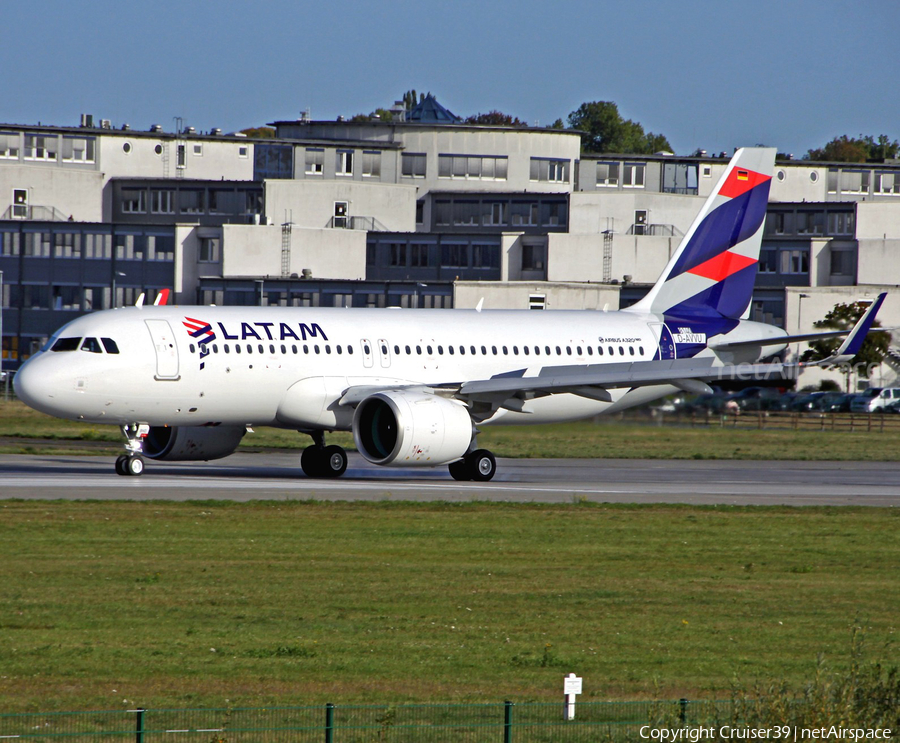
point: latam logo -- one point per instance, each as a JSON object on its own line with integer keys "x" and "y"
{"x": 204, "y": 334}
{"x": 259, "y": 331}
{"x": 684, "y": 335}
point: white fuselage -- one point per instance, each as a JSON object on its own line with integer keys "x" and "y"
{"x": 289, "y": 367}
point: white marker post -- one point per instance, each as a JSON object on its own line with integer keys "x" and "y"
{"x": 571, "y": 688}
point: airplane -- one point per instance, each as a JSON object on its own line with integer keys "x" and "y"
{"x": 416, "y": 386}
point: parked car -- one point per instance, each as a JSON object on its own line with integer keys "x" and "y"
{"x": 818, "y": 402}
{"x": 874, "y": 399}
{"x": 757, "y": 398}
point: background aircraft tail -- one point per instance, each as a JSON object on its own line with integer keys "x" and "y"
{"x": 713, "y": 271}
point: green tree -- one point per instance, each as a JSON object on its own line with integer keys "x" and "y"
{"x": 846, "y": 149}
{"x": 844, "y": 317}
{"x": 604, "y": 130}
{"x": 495, "y": 118}
{"x": 259, "y": 132}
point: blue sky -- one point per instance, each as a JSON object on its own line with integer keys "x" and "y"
{"x": 707, "y": 74}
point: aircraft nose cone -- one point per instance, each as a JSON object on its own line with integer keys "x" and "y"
{"x": 31, "y": 386}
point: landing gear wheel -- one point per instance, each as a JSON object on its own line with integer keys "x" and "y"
{"x": 459, "y": 470}
{"x": 311, "y": 461}
{"x": 334, "y": 461}
{"x": 133, "y": 466}
{"x": 120, "y": 465}
{"x": 481, "y": 465}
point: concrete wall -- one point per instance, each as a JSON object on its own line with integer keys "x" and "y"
{"x": 255, "y": 250}
{"x": 799, "y": 183}
{"x": 580, "y": 257}
{"x": 71, "y": 192}
{"x": 595, "y": 212}
{"x": 310, "y": 203}
{"x": 220, "y": 160}
{"x": 516, "y": 295}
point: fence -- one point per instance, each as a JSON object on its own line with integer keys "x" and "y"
{"x": 773, "y": 420}
{"x": 504, "y": 722}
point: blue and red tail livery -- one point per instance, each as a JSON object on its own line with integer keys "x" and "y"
{"x": 711, "y": 275}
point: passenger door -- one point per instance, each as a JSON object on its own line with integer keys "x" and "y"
{"x": 166, "y": 349}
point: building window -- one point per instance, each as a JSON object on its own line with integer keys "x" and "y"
{"x": 466, "y": 213}
{"x": 840, "y": 223}
{"x": 243, "y": 151}
{"x": 534, "y": 257}
{"x": 537, "y": 302}
{"x": 180, "y": 157}
{"x": 418, "y": 255}
{"x": 344, "y": 165}
{"x": 78, "y": 149}
{"x": 198, "y": 149}
{"x": 841, "y": 262}
{"x": 467, "y": 167}
{"x": 209, "y": 250}
{"x": 134, "y": 201}
{"x": 315, "y": 161}
{"x": 398, "y": 254}
{"x": 455, "y": 256}
{"x": 855, "y": 181}
{"x": 39, "y": 147}
{"x": 192, "y": 201}
{"x": 442, "y": 213}
{"x": 680, "y": 178}
{"x": 162, "y": 201}
{"x": 9, "y": 145}
{"x": 130, "y": 247}
{"x": 485, "y": 256}
{"x": 607, "y": 175}
{"x": 496, "y": 213}
{"x": 272, "y": 161}
{"x": 371, "y": 165}
{"x": 810, "y": 223}
{"x": 550, "y": 170}
{"x": 161, "y": 248}
{"x": 420, "y": 212}
{"x": 887, "y": 184}
{"x": 633, "y": 175}
{"x": 524, "y": 214}
{"x": 412, "y": 165}
{"x": 67, "y": 245}
{"x": 20, "y": 203}
{"x": 768, "y": 260}
{"x": 553, "y": 214}
{"x": 795, "y": 261}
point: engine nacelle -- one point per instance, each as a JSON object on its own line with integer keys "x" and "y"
{"x": 411, "y": 428}
{"x": 192, "y": 443}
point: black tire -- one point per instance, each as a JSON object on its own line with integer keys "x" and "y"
{"x": 333, "y": 461}
{"x": 481, "y": 465}
{"x": 120, "y": 465}
{"x": 459, "y": 470}
{"x": 311, "y": 461}
{"x": 134, "y": 466}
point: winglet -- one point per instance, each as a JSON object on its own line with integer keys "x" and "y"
{"x": 479, "y": 305}
{"x": 853, "y": 342}
{"x": 161, "y": 298}
{"x": 140, "y": 301}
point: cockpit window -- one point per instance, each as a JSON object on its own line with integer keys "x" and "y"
{"x": 92, "y": 345}
{"x": 66, "y": 344}
{"x": 110, "y": 345}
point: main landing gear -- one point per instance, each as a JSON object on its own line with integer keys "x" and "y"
{"x": 478, "y": 465}
{"x": 132, "y": 463}
{"x": 323, "y": 461}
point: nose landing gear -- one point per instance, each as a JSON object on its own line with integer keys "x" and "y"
{"x": 132, "y": 463}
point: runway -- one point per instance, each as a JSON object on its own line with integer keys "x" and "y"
{"x": 277, "y": 476}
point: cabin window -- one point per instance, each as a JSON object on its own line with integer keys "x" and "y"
{"x": 430, "y": 351}
{"x": 472, "y": 349}
{"x": 396, "y": 350}
{"x": 578, "y": 349}
{"x": 237, "y": 348}
{"x": 462, "y": 350}
{"x": 339, "y": 348}
{"x": 419, "y": 350}
{"x": 515, "y": 350}
{"x": 305, "y": 349}
{"x": 621, "y": 351}
{"x": 440, "y": 350}
{"x": 505, "y": 351}
{"x": 328, "y": 348}
{"x": 191, "y": 347}
{"x": 316, "y": 348}
{"x": 568, "y": 350}
{"x": 349, "y": 349}
{"x": 612, "y": 351}
{"x": 272, "y": 348}
{"x": 631, "y": 350}
{"x": 450, "y": 349}
{"x": 590, "y": 351}
{"x": 261, "y": 349}
{"x": 110, "y": 345}
{"x": 525, "y": 349}
{"x": 408, "y": 352}
{"x": 641, "y": 350}
{"x": 599, "y": 350}
{"x": 215, "y": 348}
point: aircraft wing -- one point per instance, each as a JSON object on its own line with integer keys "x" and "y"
{"x": 593, "y": 380}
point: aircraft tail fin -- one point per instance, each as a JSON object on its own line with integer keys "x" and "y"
{"x": 161, "y": 298}
{"x": 713, "y": 271}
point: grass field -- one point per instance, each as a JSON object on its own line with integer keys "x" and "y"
{"x": 109, "y": 605}
{"x": 604, "y": 439}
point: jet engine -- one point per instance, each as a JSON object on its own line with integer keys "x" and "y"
{"x": 192, "y": 443}
{"x": 399, "y": 429}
